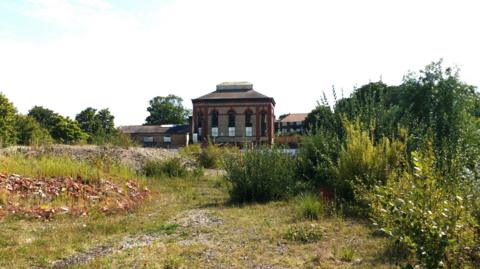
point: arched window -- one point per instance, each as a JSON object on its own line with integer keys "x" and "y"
{"x": 214, "y": 118}
{"x": 231, "y": 123}
{"x": 199, "y": 122}
{"x": 231, "y": 118}
{"x": 248, "y": 118}
{"x": 248, "y": 123}
{"x": 263, "y": 122}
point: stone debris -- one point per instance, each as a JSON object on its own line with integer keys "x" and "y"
{"x": 40, "y": 197}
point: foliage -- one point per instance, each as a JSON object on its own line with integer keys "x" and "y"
{"x": 304, "y": 233}
{"x": 362, "y": 163}
{"x": 172, "y": 167}
{"x": 29, "y": 132}
{"x": 167, "y": 110}
{"x": 436, "y": 104}
{"x": 309, "y": 206}
{"x": 322, "y": 118}
{"x": 210, "y": 157}
{"x": 317, "y": 157}
{"x": 61, "y": 129}
{"x": 260, "y": 174}
{"x": 7, "y": 122}
{"x": 427, "y": 212}
{"x": 99, "y": 125}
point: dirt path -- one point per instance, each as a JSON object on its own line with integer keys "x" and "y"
{"x": 196, "y": 219}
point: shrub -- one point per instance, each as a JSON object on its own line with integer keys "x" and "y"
{"x": 427, "y": 212}
{"x": 191, "y": 152}
{"x": 211, "y": 157}
{"x": 317, "y": 157}
{"x": 172, "y": 167}
{"x": 304, "y": 233}
{"x": 363, "y": 163}
{"x": 260, "y": 174}
{"x": 308, "y": 206}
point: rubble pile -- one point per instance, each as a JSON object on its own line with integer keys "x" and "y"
{"x": 46, "y": 197}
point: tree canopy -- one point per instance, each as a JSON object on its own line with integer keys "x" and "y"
{"x": 7, "y": 121}
{"x": 167, "y": 110}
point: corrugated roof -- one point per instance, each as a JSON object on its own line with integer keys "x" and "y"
{"x": 294, "y": 117}
{"x": 154, "y": 129}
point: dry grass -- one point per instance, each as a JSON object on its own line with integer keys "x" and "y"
{"x": 191, "y": 226}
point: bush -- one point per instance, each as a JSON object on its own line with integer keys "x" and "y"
{"x": 317, "y": 158}
{"x": 304, "y": 233}
{"x": 211, "y": 157}
{"x": 363, "y": 163}
{"x": 260, "y": 174}
{"x": 171, "y": 168}
{"x": 308, "y": 206}
{"x": 427, "y": 212}
{"x": 191, "y": 152}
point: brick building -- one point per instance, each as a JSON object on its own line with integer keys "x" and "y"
{"x": 166, "y": 136}
{"x": 291, "y": 123}
{"x": 235, "y": 114}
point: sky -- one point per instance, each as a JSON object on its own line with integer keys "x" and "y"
{"x": 67, "y": 55}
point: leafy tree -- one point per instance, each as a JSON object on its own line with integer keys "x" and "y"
{"x": 29, "y": 131}
{"x": 323, "y": 118}
{"x": 7, "y": 121}
{"x": 167, "y": 110}
{"x": 86, "y": 120}
{"x": 436, "y": 104}
{"x": 99, "y": 125}
{"x": 62, "y": 130}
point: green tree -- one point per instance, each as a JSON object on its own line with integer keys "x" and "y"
{"x": 62, "y": 129}
{"x": 167, "y": 110}
{"x": 322, "y": 117}
{"x": 29, "y": 131}
{"x": 7, "y": 121}
{"x": 99, "y": 125}
{"x": 86, "y": 120}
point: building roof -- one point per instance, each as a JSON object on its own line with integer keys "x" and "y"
{"x": 234, "y": 91}
{"x": 155, "y": 129}
{"x": 294, "y": 117}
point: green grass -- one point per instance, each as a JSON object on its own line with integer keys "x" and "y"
{"x": 309, "y": 206}
{"x": 50, "y": 166}
{"x": 248, "y": 235}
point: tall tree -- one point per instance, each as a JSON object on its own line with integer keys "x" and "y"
{"x": 167, "y": 110}
{"x": 7, "y": 121}
{"x": 62, "y": 129}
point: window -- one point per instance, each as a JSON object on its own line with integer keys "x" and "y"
{"x": 214, "y": 131}
{"x": 148, "y": 139}
{"x": 199, "y": 123}
{"x": 214, "y": 118}
{"x": 167, "y": 139}
{"x": 248, "y": 131}
{"x": 231, "y": 118}
{"x": 263, "y": 122}
{"x": 248, "y": 118}
{"x": 231, "y": 131}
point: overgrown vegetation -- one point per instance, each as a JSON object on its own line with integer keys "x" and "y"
{"x": 172, "y": 167}
{"x": 260, "y": 174}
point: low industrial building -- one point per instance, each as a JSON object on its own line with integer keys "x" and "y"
{"x": 166, "y": 136}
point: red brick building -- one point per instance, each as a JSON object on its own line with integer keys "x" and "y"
{"x": 235, "y": 114}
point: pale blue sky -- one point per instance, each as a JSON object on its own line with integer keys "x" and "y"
{"x": 71, "y": 54}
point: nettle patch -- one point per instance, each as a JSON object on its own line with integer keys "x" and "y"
{"x": 48, "y": 196}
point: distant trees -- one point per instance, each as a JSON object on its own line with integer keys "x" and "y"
{"x": 30, "y": 132}
{"x": 61, "y": 129}
{"x": 7, "y": 120}
{"x": 167, "y": 110}
{"x": 99, "y": 125}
